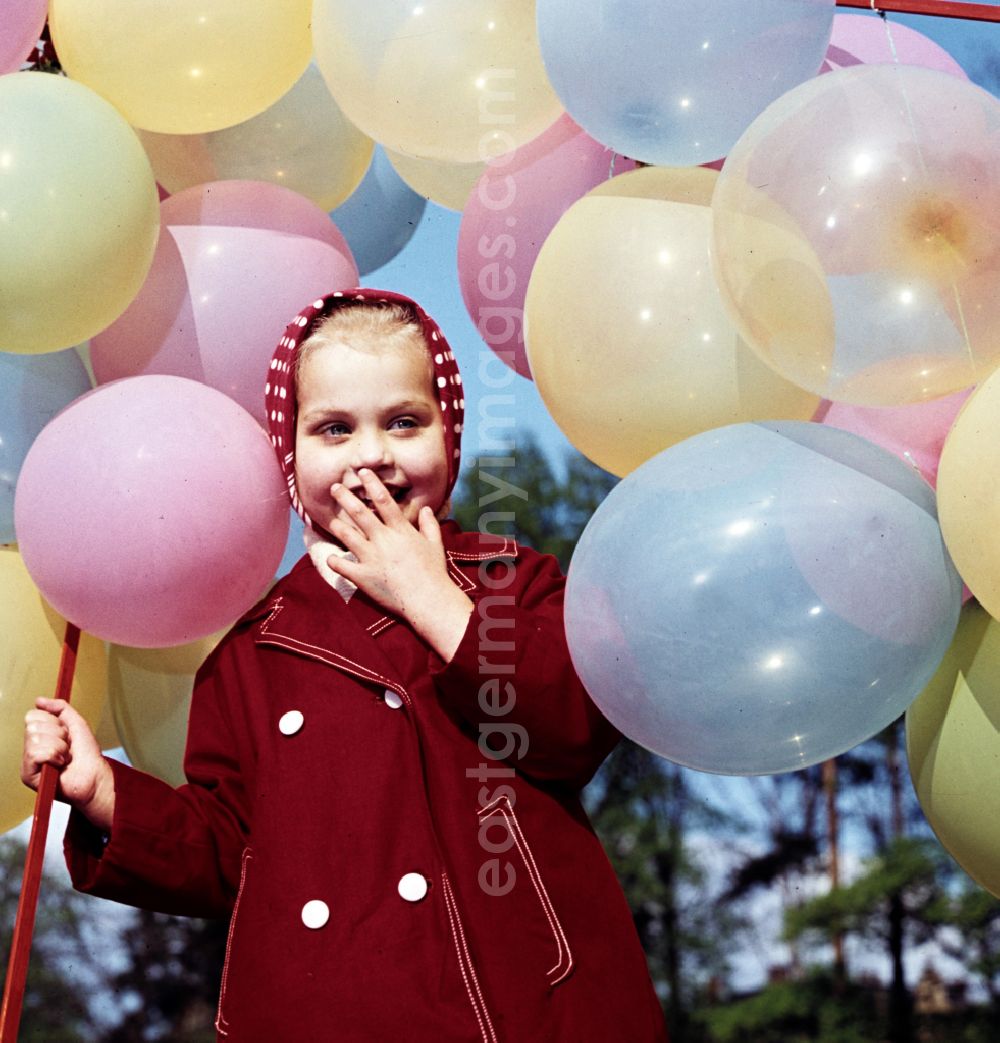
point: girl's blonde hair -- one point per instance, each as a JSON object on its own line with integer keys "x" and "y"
{"x": 367, "y": 326}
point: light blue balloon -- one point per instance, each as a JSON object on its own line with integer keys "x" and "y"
{"x": 380, "y": 216}
{"x": 677, "y": 83}
{"x": 33, "y": 388}
{"x": 761, "y": 597}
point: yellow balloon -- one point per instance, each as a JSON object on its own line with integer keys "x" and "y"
{"x": 968, "y": 493}
{"x": 149, "y": 690}
{"x": 187, "y": 66}
{"x": 628, "y": 341}
{"x": 441, "y": 79}
{"x": 887, "y": 173}
{"x": 953, "y": 746}
{"x": 29, "y": 667}
{"x": 80, "y": 213}
{"x": 447, "y": 184}
{"x": 303, "y": 141}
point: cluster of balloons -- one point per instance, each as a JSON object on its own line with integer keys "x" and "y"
{"x": 768, "y": 331}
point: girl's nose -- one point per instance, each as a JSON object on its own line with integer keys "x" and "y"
{"x": 372, "y": 451}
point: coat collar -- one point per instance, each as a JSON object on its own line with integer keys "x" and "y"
{"x": 303, "y": 614}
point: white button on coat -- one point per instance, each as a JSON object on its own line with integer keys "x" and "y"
{"x": 392, "y": 699}
{"x": 291, "y": 722}
{"x": 315, "y": 914}
{"x": 412, "y": 886}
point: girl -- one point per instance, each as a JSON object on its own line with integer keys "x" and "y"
{"x": 385, "y": 755}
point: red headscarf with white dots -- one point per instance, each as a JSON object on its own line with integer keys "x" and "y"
{"x": 279, "y": 394}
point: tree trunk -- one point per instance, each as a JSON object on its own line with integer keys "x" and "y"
{"x": 833, "y": 850}
{"x": 900, "y": 1014}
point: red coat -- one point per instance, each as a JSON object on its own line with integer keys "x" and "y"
{"x": 389, "y": 877}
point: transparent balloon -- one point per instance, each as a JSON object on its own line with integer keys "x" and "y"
{"x": 953, "y": 745}
{"x": 968, "y": 489}
{"x": 447, "y": 184}
{"x": 302, "y": 142}
{"x": 33, "y": 388}
{"x": 516, "y": 203}
{"x": 179, "y": 511}
{"x": 761, "y": 597}
{"x": 78, "y": 232}
{"x": 236, "y": 260}
{"x": 627, "y": 338}
{"x": 379, "y": 218}
{"x": 31, "y": 638}
{"x": 443, "y": 79}
{"x": 22, "y": 22}
{"x": 676, "y": 84}
{"x": 149, "y": 690}
{"x": 857, "y": 234}
{"x": 185, "y": 67}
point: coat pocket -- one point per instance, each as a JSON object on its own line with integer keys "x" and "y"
{"x": 502, "y": 810}
{"x": 221, "y": 1024}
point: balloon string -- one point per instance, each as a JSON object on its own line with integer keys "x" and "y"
{"x": 24, "y": 923}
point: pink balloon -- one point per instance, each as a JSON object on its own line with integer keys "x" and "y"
{"x": 515, "y": 204}
{"x": 915, "y": 432}
{"x": 22, "y": 22}
{"x": 859, "y": 39}
{"x": 151, "y": 511}
{"x": 236, "y": 261}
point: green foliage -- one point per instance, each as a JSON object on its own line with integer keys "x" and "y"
{"x": 815, "y": 1008}
{"x": 909, "y": 867}
{"x": 55, "y": 1008}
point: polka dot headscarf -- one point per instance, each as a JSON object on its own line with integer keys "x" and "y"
{"x": 279, "y": 393}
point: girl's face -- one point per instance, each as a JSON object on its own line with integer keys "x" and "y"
{"x": 369, "y": 409}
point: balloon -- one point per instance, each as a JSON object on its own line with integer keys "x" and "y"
{"x": 22, "y": 22}
{"x": 303, "y": 142}
{"x": 628, "y": 341}
{"x": 859, "y": 39}
{"x": 150, "y": 695}
{"x": 78, "y": 231}
{"x": 186, "y": 67}
{"x": 953, "y": 746}
{"x": 676, "y": 84}
{"x": 152, "y": 512}
{"x": 761, "y": 597}
{"x": 444, "y": 183}
{"x": 442, "y": 79}
{"x": 915, "y": 433}
{"x": 515, "y": 205}
{"x": 968, "y": 487}
{"x": 235, "y": 260}
{"x": 380, "y": 216}
{"x": 29, "y": 667}
{"x": 33, "y": 388}
{"x": 886, "y": 176}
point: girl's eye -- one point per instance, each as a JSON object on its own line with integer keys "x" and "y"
{"x": 336, "y": 430}
{"x": 403, "y": 423}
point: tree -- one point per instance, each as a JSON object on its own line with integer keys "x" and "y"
{"x": 169, "y": 986}
{"x": 57, "y": 1001}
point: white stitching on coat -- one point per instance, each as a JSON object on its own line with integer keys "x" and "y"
{"x": 462, "y": 950}
{"x": 502, "y": 805}
{"x": 219, "y": 1018}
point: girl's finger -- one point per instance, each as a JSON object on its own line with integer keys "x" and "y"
{"x": 429, "y": 527}
{"x": 388, "y": 509}
{"x": 361, "y": 516}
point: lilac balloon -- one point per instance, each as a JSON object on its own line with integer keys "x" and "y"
{"x": 514, "y": 206}
{"x": 151, "y": 512}
{"x": 22, "y": 22}
{"x": 235, "y": 263}
{"x": 859, "y": 39}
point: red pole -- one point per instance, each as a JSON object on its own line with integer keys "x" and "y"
{"x": 17, "y": 968}
{"x": 941, "y": 8}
